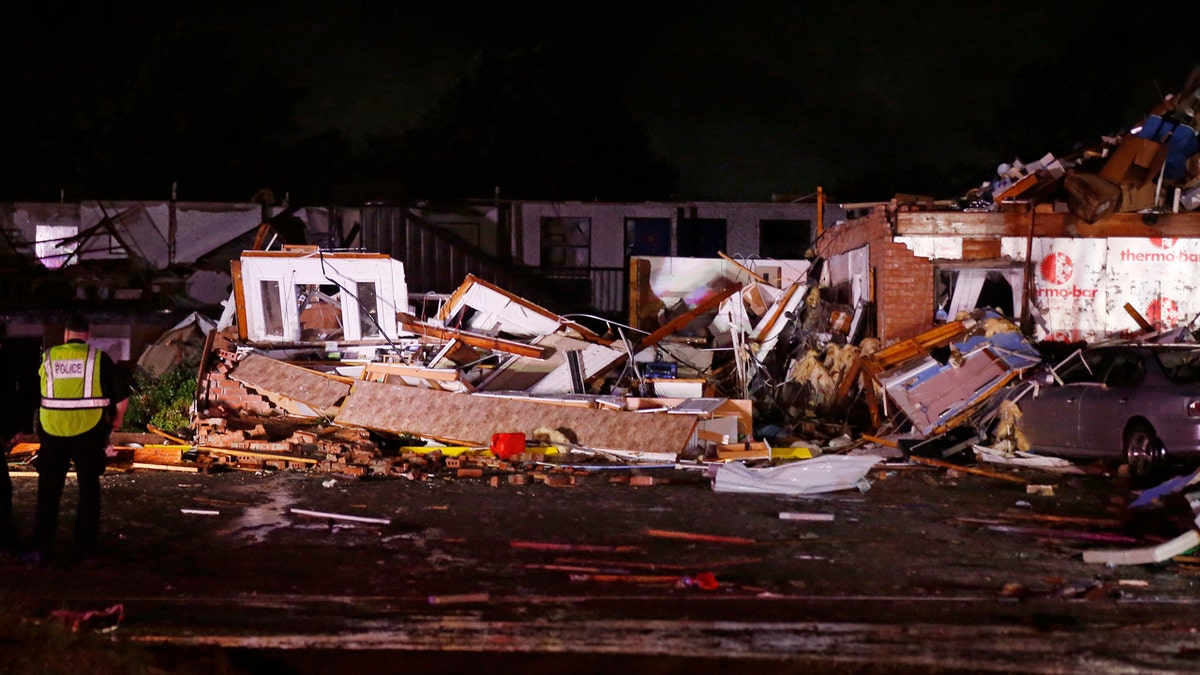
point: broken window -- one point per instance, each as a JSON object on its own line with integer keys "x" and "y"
{"x": 302, "y": 297}
{"x": 319, "y": 312}
{"x": 368, "y": 309}
{"x": 566, "y": 242}
{"x": 50, "y": 250}
{"x": 272, "y": 307}
{"x": 784, "y": 239}
{"x": 1085, "y": 368}
{"x": 963, "y": 290}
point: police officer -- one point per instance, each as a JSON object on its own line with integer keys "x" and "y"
{"x": 83, "y": 400}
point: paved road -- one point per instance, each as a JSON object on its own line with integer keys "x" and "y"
{"x": 925, "y": 570}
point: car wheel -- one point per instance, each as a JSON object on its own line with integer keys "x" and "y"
{"x": 1144, "y": 452}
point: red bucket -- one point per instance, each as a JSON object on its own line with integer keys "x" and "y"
{"x": 505, "y": 446}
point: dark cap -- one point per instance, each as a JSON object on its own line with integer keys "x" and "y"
{"x": 77, "y": 323}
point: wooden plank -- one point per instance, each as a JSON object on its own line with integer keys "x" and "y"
{"x": 696, "y": 536}
{"x": 239, "y": 298}
{"x": 182, "y": 468}
{"x": 232, "y": 452}
{"x": 684, "y": 319}
{"x": 444, "y": 379}
{"x": 1042, "y": 224}
{"x": 412, "y": 324}
{"x": 471, "y": 419}
{"x": 965, "y": 469}
{"x": 328, "y": 255}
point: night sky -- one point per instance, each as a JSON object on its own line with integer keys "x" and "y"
{"x": 744, "y": 100}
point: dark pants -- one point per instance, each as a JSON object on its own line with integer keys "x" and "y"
{"x": 8, "y": 529}
{"x": 53, "y": 461}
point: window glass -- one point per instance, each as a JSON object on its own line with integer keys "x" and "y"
{"x": 1125, "y": 370}
{"x": 1181, "y": 365}
{"x": 319, "y": 311}
{"x": 566, "y": 242}
{"x": 368, "y": 309}
{"x": 1085, "y": 368}
{"x": 272, "y": 308}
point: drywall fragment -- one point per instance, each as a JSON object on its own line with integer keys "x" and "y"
{"x": 339, "y": 516}
{"x": 1146, "y": 554}
{"x": 810, "y": 476}
{"x": 807, "y": 517}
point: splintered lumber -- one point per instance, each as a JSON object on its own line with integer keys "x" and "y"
{"x": 687, "y": 317}
{"x": 412, "y": 324}
{"x": 159, "y": 432}
{"x": 458, "y": 599}
{"x": 747, "y": 450}
{"x": 589, "y": 548}
{"x": 965, "y": 469}
{"x": 471, "y": 419}
{"x": 257, "y": 455}
{"x": 628, "y": 578}
{"x": 674, "y": 567}
{"x": 693, "y": 536}
{"x": 166, "y": 467}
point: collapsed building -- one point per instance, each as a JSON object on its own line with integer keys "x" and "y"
{"x": 901, "y": 323}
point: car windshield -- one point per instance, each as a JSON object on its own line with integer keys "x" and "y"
{"x": 1180, "y": 365}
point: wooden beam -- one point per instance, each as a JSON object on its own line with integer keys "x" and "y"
{"x": 1044, "y": 224}
{"x": 239, "y": 297}
{"x": 256, "y": 455}
{"x": 1142, "y": 323}
{"x": 684, "y": 319}
{"x": 965, "y": 469}
{"x": 411, "y": 323}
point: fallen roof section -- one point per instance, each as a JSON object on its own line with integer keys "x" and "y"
{"x": 473, "y": 419}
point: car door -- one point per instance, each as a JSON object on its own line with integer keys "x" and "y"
{"x": 1104, "y": 410}
{"x": 1050, "y": 415}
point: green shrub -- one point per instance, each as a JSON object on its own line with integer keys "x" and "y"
{"x": 163, "y": 401}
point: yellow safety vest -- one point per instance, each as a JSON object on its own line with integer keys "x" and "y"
{"x": 72, "y": 401}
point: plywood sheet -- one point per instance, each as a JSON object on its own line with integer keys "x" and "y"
{"x": 307, "y": 386}
{"x": 472, "y": 419}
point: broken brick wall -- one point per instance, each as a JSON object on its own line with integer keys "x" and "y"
{"x": 902, "y": 282}
{"x": 219, "y": 392}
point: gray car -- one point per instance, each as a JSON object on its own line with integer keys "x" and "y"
{"x": 1132, "y": 402}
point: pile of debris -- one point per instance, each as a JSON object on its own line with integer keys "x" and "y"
{"x": 748, "y": 369}
{"x": 1153, "y": 165}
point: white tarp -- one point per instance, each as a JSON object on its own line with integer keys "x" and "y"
{"x": 811, "y": 476}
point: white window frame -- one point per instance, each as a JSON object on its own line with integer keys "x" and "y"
{"x": 345, "y": 270}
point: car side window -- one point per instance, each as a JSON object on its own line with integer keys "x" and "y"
{"x": 1125, "y": 370}
{"x": 1087, "y": 367}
